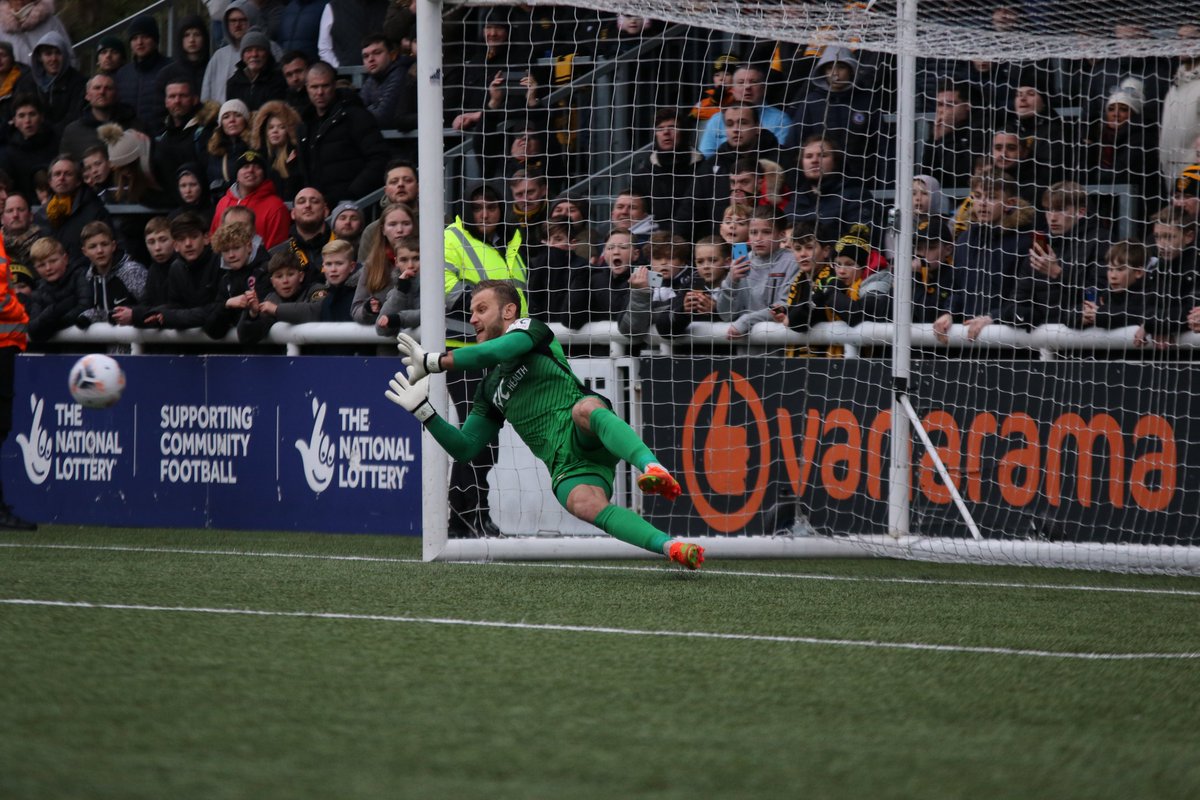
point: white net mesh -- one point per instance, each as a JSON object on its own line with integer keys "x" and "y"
{"x": 1052, "y": 280}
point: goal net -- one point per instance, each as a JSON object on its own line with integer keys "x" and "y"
{"x": 910, "y": 281}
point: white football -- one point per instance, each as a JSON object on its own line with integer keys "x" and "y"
{"x": 96, "y": 381}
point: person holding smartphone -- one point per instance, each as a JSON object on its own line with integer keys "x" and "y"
{"x": 760, "y": 279}
{"x": 653, "y": 289}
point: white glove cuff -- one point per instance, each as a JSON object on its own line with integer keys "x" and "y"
{"x": 423, "y": 412}
{"x": 433, "y": 363}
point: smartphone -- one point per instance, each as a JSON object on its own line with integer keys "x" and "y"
{"x": 654, "y": 279}
{"x": 740, "y": 250}
{"x": 1089, "y": 295}
{"x": 1040, "y": 240}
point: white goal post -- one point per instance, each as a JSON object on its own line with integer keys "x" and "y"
{"x": 938, "y": 434}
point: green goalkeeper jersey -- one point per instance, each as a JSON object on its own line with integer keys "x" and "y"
{"x": 530, "y": 384}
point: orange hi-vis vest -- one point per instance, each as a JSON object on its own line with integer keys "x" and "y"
{"x": 13, "y": 318}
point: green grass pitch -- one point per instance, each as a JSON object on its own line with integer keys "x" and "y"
{"x": 372, "y": 675}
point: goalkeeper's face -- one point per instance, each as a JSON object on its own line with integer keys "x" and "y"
{"x": 490, "y": 316}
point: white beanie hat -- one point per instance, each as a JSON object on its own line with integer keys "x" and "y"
{"x": 236, "y": 106}
{"x": 1129, "y": 93}
{"x": 125, "y": 146}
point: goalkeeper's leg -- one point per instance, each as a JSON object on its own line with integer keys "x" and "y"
{"x": 592, "y": 416}
{"x": 588, "y": 501}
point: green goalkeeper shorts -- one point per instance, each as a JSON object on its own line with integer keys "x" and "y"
{"x": 581, "y": 460}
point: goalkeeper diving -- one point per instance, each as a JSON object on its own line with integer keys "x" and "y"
{"x": 570, "y": 428}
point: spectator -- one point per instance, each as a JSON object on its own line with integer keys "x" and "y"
{"x": 275, "y": 132}
{"x": 16, "y": 79}
{"x": 845, "y": 292}
{"x": 1066, "y": 262}
{"x": 187, "y": 129}
{"x": 835, "y": 107}
{"x": 1040, "y": 127}
{"x": 400, "y": 221}
{"x": 300, "y": 26}
{"x": 30, "y": 143}
{"x": 719, "y": 95}
{"x": 110, "y": 54}
{"x": 192, "y": 278}
{"x": 400, "y": 186}
{"x": 101, "y": 108}
{"x": 1122, "y": 301}
{"x": 97, "y": 171}
{"x": 1097, "y": 79}
{"x": 60, "y": 86}
{"x": 748, "y": 89}
{"x": 383, "y": 80}
{"x": 71, "y": 205}
{"x": 343, "y": 150}
{"x": 630, "y": 212}
{"x": 735, "y": 223}
{"x": 129, "y": 154}
{"x": 558, "y": 277}
{"x": 240, "y": 274}
{"x": 402, "y": 306}
{"x": 111, "y": 278}
{"x": 666, "y": 174}
{"x": 256, "y": 79}
{"x": 991, "y": 260}
{"x": 381, "y": 262}
{"x": 341, "y": 34}
{"x": 1172, "y": 280}
{"x": 347, "y": 223}
{"x": 193, "y": 48}
{"x": 608, "y": 283}
{"x": 698, "y": 303}
{"x": 332, "y": 301}
{"x": 240, "y": 17}
{"x": 929, "y": 205}
{"x": 1116, "y": 150}
{"x": 1014, "y": 155}
{"x": 954, "y": 137}
{"x": 54, "y": 304}
{"x": 295, "y": 66}
{"x": 760, "y": 280}
{"x": 468, "y": 85}
{"x": 253, "y": 190}
{"x": 228, "y": 142}
{"x": 19, "y": 230}
{"x": 825, "y": 193}
{"x": 154, "y": 294}
{"x": 575, "y": 211}
{"x": 138, "y": 81}
{"x": 1180, "y": 120}
{"x": 651, "y": 304}
{"x": 813, "y": 251}
{"x": 1186, "y": 196}
{"x": 24, "y": 22}
{"x": 309, "y": 232}
{"x": 528, "y": 208}
{"x": 193, "y": 194}
{"x": 527, "y": 151}
{"x": 288, "y": 290}
{"x": 933, "y": 271}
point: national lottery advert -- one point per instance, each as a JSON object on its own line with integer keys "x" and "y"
{"x": 238, "y": 442}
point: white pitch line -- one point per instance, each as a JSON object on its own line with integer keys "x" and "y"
{"x": 572, "y": 565}
{"x": 736, "y": 637}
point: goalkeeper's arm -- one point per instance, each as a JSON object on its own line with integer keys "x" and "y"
{"x": 488, "y": 354}
{"x": 465, "y": 443}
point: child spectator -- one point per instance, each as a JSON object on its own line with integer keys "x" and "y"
{"x": 241, "y": 275}
{"x": 161, "y": 248}
{"x": 933, "y": 271}
{"x": 812, "y": 250}
{"x": 97, "y": 172}
{"x": 402, "y": 306}
{"x": 928, "y": 203}
{"x": 735, "y": 223}
{"x": 698, "y": 303}
{"x": 991, "y": 260}
{"x": 650, "y": 303}
{"x": 558, "y": 278}
{"x": 608, "y": 292}
{"x": 54, "y": 304}
{"x": 1171, "y": 283}
{"x": 288, "y": 293}
{"x": 112, "y": 279}
{"x": 760, "y": 280}
{"x": 1123, "y": 302}
{"x": 1065, "y": 262}
{"x": 844, "y": 291}
{"x": 331, "y": 301}
{"x": 192, "y": 280}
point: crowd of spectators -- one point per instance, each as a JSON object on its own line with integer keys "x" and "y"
{"x": 218, "y": 187}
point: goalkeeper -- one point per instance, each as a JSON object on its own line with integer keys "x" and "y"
{"x": 571, "y": 429}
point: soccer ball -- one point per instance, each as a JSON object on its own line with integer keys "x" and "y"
{"x": 96, "y": 381}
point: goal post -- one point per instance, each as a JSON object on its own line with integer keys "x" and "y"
{"x": 980, "y": 413}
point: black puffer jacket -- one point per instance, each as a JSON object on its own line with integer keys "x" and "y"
{"x": 344, "y": 153}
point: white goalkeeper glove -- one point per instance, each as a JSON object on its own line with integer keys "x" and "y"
{"x": 419, "y": 362}
{"x": 412, "y": 396}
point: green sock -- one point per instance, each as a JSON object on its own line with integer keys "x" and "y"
{"x": 620, "y": 439}
{"x": 621, "y": 523}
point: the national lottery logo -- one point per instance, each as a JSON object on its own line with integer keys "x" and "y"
{"x": 36, "y": 448}
{"x": 317, "y": 453}
{"x": 357, "y": 459}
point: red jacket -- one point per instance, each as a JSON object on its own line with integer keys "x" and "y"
{"x": 271, "y": 217}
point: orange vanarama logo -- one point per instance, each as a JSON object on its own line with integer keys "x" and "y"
{"x": 733, "y": 442}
